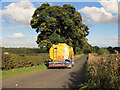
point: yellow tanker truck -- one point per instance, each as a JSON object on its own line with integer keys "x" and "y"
{"x": 61, "y": 55}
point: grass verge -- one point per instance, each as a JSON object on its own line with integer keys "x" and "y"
{"x": 21, "y": 71}
{"x": 77, "y": 56}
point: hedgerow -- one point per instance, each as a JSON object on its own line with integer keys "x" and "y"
{"x": 11, "y": 61}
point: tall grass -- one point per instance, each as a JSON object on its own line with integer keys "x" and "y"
{"x": 103, "y": 71}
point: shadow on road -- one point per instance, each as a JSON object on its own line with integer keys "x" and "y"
{"x": 77, "y": 77}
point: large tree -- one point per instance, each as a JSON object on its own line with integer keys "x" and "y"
{"x": 55, "y": 24}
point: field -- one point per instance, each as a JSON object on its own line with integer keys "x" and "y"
{"x": 103, "y": 71}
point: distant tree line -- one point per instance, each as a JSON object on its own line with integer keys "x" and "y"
{"x": 23, "y": 51}
{"x": 111, "y": 50}
{"x": 32, "y": 51}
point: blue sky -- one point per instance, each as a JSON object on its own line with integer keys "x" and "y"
{"x": 101, "y": 19}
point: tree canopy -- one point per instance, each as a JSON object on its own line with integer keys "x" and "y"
{"x": 56, "y": 24}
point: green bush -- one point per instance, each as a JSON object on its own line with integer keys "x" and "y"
{"x": 12, "y": 61}
{"x": 102, "y": 51}
{"x": 78, "y": 50}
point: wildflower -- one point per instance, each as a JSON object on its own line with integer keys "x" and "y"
{"x": 116, "y": 59}
{"x": 16, "y": 85}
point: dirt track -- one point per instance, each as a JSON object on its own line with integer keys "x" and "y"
{"x": 50, "y": 78}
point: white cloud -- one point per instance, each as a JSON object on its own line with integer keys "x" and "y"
{"x": 103, "y": 14}
{"x": 16, "y": 36}
{"x": 110, "y": 6}
{"x": 20, "y": 12}
{"x": 51, "y": 4}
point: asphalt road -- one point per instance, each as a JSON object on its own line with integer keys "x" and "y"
{"x": 50, "y": 78}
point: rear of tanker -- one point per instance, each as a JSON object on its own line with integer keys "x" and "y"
{"x": 61, "y": 55}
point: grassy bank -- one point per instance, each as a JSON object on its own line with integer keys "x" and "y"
{"x": 21, "y": 71}
{"x": 103, "y": 71}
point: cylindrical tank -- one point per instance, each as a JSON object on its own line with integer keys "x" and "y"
{"x": 61, "y": 52}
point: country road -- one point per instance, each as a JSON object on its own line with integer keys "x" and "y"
{"x": 50, "y": 78}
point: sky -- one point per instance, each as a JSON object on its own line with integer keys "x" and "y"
{"x": 100, "y": 16}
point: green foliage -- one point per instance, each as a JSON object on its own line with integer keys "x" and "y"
{"x": 95, "y": 49}
{"x": 56, "y": 24}
{"x": 78, "y": 50}
{"x": 45, "y": 44}
{"x": 12, "y": 61}
{"x": 102, "y": 51}
{"x": 55, "y": 38}
{"x": 112, "y": 49}
{"x": 117, "y": 48}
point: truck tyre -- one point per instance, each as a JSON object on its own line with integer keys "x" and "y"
{"x": 72, "y": 65}
{"x": 69, "y": 67}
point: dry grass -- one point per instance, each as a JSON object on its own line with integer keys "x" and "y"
{"x": 103, "y": 71}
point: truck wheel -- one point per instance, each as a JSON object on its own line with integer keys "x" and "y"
{"x": 72, "y": 65}
{"x": 69, "y": 67}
